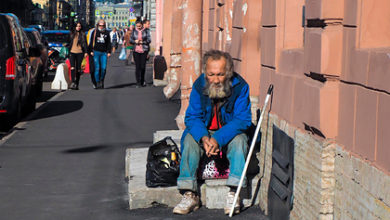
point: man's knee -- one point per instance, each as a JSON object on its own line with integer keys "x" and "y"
{"x": 190, "y": 145}
{"x": 239, "y": 139}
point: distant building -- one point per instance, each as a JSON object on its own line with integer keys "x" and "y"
{"x": 115, "y": 15}
{"x": 21, "y": 8}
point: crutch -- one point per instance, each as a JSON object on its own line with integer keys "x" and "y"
{"x": 271, "y": 87}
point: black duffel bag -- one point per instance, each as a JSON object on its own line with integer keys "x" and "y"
{"x": 163, "y": 163}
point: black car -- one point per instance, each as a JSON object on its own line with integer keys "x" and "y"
{"x": 16, "y": 92}
{"x": 39, "y": 64}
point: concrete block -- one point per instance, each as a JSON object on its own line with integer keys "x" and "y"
{"x": 352, "y": 12}
{"x": 283, "y": 96}
{"x": 61, "y": 80}
{"x": 236, "y": 46}
{"x": 324, "y": 9}
{"x": 293, "y": 24}
{"x": 273, "y": 12}
{"x": 346, "y": 125}
{"x": 359, "y": 67}
{"x": 175, "y": 134}
{"x": 265, "y": 80}
{"x": 374, "y": 25}
{"x": 238, "y": 13}
{"x": 316, "y": 104}
{"x": 383, "y": 137}
{"x": 212, "y": 23}
{"x": 237, "y": 66}
{"x": 292, "y": 62}
{"x": 366, "y": 123}
{"x": 215, "y": 193}
{"x": 323, "y": 53}
{"x": 270, "y": 46}
{"x": 141, "y": 196}
{"x": 379, "y": 70}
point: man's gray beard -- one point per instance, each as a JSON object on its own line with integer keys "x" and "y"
{"x": 218, "y": 92}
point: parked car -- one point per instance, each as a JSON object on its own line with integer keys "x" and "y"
{"x": 16, "y": 92}
{"x": 39, "y": 64}
{"x": 38, "y": 27}
{"x": 56, "y": 40}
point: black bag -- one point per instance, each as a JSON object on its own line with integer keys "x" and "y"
{"x": 163, "y": 163}
{"x": 160, "y": 66}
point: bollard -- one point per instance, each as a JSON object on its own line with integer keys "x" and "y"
{"x": 61, "y": 80}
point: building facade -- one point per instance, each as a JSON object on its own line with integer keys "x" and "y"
{"x": 329, "y": 63}
{"x": 115, "y": 15}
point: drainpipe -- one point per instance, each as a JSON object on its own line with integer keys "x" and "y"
{"x": 158, "y": 26}
{"x": 174, "y": 74}
{"x": 191, "y": 52}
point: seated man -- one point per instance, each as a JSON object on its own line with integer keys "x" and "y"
{"x": 217, "y": 117}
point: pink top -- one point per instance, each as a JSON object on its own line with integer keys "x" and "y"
{"x": 138, "y": 47}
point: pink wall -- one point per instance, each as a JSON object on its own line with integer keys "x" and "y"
{"x": 332, "y": 75}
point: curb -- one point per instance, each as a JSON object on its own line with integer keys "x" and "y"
{"x": 25, "y": 120}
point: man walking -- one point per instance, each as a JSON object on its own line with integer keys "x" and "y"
{"x": 100, "y": 47}
{"x": 218, "y": 115}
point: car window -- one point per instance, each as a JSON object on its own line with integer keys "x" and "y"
{"x": 57, "y": 37}
{"x": 5, "y": 40}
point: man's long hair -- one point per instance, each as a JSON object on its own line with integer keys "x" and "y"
{"x": 226, "y": 88}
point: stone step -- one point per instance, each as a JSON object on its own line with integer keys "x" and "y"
{"x": 212, "y": 191}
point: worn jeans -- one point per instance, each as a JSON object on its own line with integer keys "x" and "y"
{"x": 100, "y": 60}
{"x": 236, "y": 152}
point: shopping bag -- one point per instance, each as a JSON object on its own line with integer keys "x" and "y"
{"x": 214, "y": 167}
{"x": 83, "y": 63}
{"x": 163, "y": 164}
{"x": 87, "y": 70}
{"x": 122, "y": 55}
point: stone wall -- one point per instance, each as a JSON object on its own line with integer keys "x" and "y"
{"x": 329, "y": 182}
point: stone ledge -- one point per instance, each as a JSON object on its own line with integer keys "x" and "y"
{"x": 212, "y": 191}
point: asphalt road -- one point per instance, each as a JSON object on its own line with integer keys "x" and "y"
{"x": 66, "y": 160}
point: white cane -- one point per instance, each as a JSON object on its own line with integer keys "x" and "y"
{"x": 251, "y": 149}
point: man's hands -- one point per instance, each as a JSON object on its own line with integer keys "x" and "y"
{"x": 210, "y": 145}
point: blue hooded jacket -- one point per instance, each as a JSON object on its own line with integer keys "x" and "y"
{"x": 235, "y": 112}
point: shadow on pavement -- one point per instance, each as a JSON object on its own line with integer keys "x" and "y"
{"x": 85, "y": 149}
{"x": 121, "y": 86}
{"x": 56, "y": 108}
{"x": 46, "y": 95}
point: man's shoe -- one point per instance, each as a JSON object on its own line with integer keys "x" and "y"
{"x": 229, "y": 203}
{"x": 189, "y": 202}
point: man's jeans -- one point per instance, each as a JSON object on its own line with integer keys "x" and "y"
{"x": 100, "y": 60}
{"x": 236, "y": 152}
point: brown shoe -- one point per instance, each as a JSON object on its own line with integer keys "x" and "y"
{"x": 189, "y": 202}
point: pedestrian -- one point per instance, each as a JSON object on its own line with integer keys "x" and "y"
{"x": 141, "y": 39}
{"x": 218, "y": 115}
{"x": 128, "y": 45}
{"x": 90, "y": 58}
{"x": 100, "y": 47}
{"x": 147, "y": 28}
{"x": 114, "y": 35}
{"x": 78, "y": 51}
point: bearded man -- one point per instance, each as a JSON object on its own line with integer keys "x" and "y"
{"x": 216, "y": 120}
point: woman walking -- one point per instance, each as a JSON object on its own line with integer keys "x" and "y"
{"x": 78, "y": 50}
{"x": 141, "y": 39}
{"x": 128, "y": 45}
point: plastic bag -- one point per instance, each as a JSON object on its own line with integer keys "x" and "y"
{"x": 64, "y": 52}
{"x": 122, "y": 55}
{"x": 163, "y": 164}
{"x": 83, "y": 63}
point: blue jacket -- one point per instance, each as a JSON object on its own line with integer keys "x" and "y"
{"x": 235, "y": 112}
